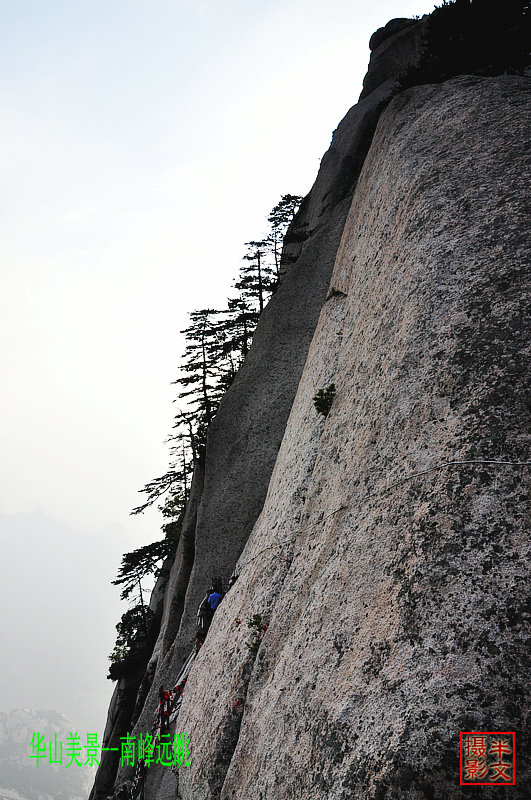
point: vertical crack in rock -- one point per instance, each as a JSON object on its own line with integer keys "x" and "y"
{"x": 166, "y": 663}
{"x": 299, "y": 475}
{"x": 128, "y": 699}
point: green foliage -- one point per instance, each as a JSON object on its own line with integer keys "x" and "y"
{"x": 142, "y": 562}
{"x": 258, "y": 628}
{"x": 173, "y": 512}
{"x": 170, "y": 481}
{"x": 480, "y": 37}
{"x": 238, "y": 328}
{"x": 324, "y": 398}
{"x": 200, "y": 367}
{"x": 280, "y": 219}
{"x": 146, "y": 560}
{"x": 137, "y": 629}
{"x": 255, "y": 276}
{"x": 135, "y": 635}
{"x": 217, "y": 342}
{"x": 185, "y": 446}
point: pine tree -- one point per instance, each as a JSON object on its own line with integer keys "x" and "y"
{"x": 202, "y": 354}
{"x": 279, "y": 219}
{"x": 255, "y": 276}
{"x": 184, "y": 447}
{"x": 184, "y": 453}
{"x": 147, "y": 560}
{"x": 217, "y": 343}
{"x": 236, "y": 326}
{"x": 135, "y": 635}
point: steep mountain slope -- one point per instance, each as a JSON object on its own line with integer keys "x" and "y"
{"x": 395, "y": 603}
{"x": 244, "y": 437}
{"x": 381, "y": 545}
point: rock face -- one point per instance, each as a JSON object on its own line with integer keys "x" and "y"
{"x": 390, "y": 573}
{"x": 394, "y": 47}
{"x": 127, "y": 700}
{"x": 395, "y": 600}
{"x": 245, "y": 435}
{"x": 242, "y": 448}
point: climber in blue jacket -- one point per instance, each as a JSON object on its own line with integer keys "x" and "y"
{"x": 214, "y": 599}
{"x": 210, "y": 602}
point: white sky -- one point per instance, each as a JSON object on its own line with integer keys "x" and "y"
{"x": 142, "y": 142}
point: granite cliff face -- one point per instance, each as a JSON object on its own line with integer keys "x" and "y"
{"x": 244, "y": 437}
{"x": 381, "y": 545}
{"x": 395, "y": 600}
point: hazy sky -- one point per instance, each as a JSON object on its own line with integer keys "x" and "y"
{"x": 142, "y": 142}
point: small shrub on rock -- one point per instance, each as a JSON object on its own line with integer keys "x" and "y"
{"x": 258, "y": 628}
{"x": 324, "y": 398}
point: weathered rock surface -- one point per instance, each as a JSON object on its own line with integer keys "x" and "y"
{"x": 339, "y": 171}
{"x": 395, "y": 600}
{"x": 244, "y": 437}
{"x": 395, "y": 603}
{"x": 127, "y": 700}
{"x": 394, "y": 47}
{"x": 393, "y": 26}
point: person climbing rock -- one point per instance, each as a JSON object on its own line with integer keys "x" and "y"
{"x": 206, "y": 609}
{"x": 204, "y": 614}
{"x": 214, "y": 599}
{"x": 164, "y": 709}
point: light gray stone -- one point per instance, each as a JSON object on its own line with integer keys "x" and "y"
{"x": 396, "y": 604}
{"x": 244, "y": 437}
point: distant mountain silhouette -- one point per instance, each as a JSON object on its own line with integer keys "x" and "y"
{"x": 20, "y": 778}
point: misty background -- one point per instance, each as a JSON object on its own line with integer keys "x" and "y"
{"x": 142, "y": 143}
